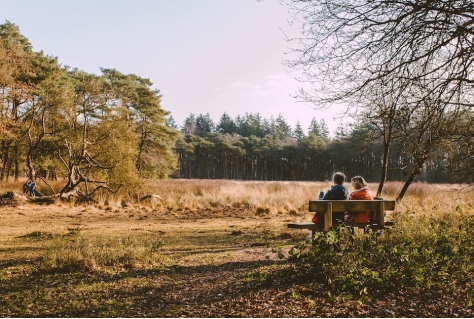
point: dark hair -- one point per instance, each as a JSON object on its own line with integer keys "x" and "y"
{"x": 339, "y": 178}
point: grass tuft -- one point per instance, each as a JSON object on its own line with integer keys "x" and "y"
{"x": 84, "y": 253}
{"x": 37, "y": 235}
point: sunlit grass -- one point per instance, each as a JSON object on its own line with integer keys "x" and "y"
{"x": 79, "y": 252}
{"x": 269, "y": 197}
{"x": 211, "y": 222}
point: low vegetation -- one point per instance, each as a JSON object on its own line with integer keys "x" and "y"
{"x": 432, "y": 255}
{"x": 221, "y": 248}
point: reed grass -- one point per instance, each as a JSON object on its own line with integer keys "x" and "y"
{"x": 292, "y": 197}
{"x": 281, "y": 197}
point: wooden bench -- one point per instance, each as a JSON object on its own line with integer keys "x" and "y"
{"x": 378, "y": 208}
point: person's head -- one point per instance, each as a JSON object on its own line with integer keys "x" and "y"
{"x": 338, "y": 178}
{"x": 358, "y": 182}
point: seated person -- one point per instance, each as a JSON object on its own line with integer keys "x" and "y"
{"x": 337, "y": 192}
{"x": 361, "y": 192}
{"x": 31, "y": 185}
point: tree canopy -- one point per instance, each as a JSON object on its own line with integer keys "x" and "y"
{"x": 308, "y": 154}
{"x": 402, "y": 67}
{"x": 93, "y": 131}
{"x": 405, "y": 65}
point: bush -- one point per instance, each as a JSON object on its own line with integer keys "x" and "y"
{"x": 423, "y": 252}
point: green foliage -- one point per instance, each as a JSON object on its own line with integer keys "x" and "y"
{"x": 257, "y": 279}
{"x": 421, "y": 252}
{"x": 226, "y": 125}
{"x": 270, "y": 150}
{"x": 140, "y": 108}
{"x": 122, "y": 156}
{"x": 93, "y": 131}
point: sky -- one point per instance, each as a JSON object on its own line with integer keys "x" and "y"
{"x": 205, "y": 56}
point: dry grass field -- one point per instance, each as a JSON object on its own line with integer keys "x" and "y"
{"x": 199, "y": 251}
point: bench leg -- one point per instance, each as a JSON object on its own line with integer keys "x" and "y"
{"x": 313, "y": 232}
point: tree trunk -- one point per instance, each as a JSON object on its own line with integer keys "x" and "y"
{"x": 410, "y": 179}
{"x": 383, "y": 177}
{"x": 416, "y": 171}
{"x": 73, "y": 180}
{"x": 17, "y": 170}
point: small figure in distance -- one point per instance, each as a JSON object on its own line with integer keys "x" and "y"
{"x": 31, "y": 185}
{"x": 337, "y": 192}
{"x": 361, "y": 192}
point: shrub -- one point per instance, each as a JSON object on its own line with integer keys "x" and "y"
{"x": 423, "y": 252}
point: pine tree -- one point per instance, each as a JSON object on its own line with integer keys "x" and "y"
{"x": 298, "y": 133}
{"x": 226, "y": 125}
{"x": 314, "y": 128}
{"x": 204, "y": 125}
{"x": 189, "y": 125}
{"x": 171, "y": 123}
{"x": 324, "y": 129}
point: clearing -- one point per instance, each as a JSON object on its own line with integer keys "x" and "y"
{"x": 212, "y": 263}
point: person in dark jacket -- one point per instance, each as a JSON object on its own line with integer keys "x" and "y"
{"x": 31, "y": 185}
{"x": 337, "y": 192}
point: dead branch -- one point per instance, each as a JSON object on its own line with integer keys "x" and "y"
{"x": 50, "y": 187}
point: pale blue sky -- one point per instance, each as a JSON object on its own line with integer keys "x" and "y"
{"x": 205, "y": 56}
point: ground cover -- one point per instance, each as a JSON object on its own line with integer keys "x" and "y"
{"x": 188, "y": 258}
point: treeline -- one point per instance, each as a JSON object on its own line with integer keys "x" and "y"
{"x": 95, "y": 131}
{"x": 250, "y": 147}
{"x": 108, "y": 130}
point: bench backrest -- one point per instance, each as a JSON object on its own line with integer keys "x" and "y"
{"x": 350, "y": 205}
{"x": 330, "y": 206}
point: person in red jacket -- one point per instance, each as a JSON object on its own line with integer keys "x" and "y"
{"x": 361, "y": 192}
